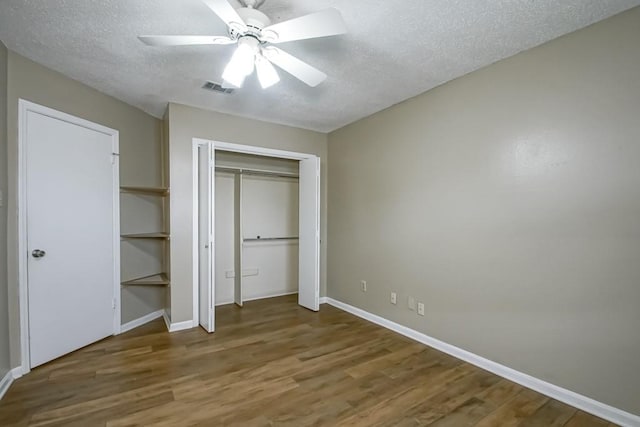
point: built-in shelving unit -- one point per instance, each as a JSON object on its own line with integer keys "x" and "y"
{"x": 157, "y": 279}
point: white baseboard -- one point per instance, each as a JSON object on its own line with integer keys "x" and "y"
{"x": 178, "y": 326}
{"x": 141, "y": 321}
{"x": 270, "y": 296}
{"x": 323, "y": 300}
{"x": 569, "y": 397}
{"x": 5, "y": 383}
{"x": 8, "y": 379}
{"x": 218, "y": 304}
{"x": 18, "y": 372}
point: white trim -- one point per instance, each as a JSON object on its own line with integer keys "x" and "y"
{"x": 8, "y": 379}
{"x": 181, "y": 326}
{"x": 5, "y": 383}
{"x": 259, "y": 151}
{"x": 569, "y": 397}
{"x": 270, "y": 296}
{"x": 237, "y": 148}
{"x": 178, "y": 326}
{"x": 259, "y": 298}
{"x": 195, "y": 274}
{"x": 18, "y": 372}
{"x": 323, "y": 300}
{"x": 126, "y": 327}
{"x": 23, "y": 107}
{"x": 221, "y": 303}
{"x": 117, "y": 315}
{"x": 211, "y": 175}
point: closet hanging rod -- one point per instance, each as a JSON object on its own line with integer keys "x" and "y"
{"x": 259, "y": 239}
{"x": 249, "y": 171}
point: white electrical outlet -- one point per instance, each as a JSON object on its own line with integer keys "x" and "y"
{"x": 363, "y": 285}
{"x": 421, "y": 308}
{"x": 394, "y": 298}
{"x": 411, "y": 303}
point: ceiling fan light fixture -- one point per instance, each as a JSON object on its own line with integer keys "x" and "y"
{"x": 267, "y": 74}
{"x": 242, "y": 62}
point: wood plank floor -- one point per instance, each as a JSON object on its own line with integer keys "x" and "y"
{"x": 273, "y": 363}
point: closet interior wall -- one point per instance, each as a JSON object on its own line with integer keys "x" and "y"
{"x": 256, "y": 220}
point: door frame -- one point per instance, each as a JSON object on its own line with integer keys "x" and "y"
{"x": 24, "y": 107}
{"x": 244, "y": 149}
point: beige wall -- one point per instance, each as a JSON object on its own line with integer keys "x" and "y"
{"x": 186, "y": 123}
{"x": 5, "y": 364}
{"x": 508, "y": 201}
{"x": 140, "y": 159}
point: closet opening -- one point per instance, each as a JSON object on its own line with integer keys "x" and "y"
{"x": 257, "y": 228}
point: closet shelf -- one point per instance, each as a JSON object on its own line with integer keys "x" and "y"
{"x": 163, "y": 236}
{"x": 267, "y": 239}
{"x": 153, "y": 191}
{"x": 159, "y": 279}
{"x": 252, "y": 171}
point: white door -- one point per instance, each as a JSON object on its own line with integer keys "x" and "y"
{"x": 206, "y": 200}
{"x": 71, "y": 228}
{"x": 238, "y": 242}
{"x": 309, "y": 234}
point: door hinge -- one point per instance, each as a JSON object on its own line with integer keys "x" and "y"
{"x": 113, "y": 304}
{"x": 114, "y": 156}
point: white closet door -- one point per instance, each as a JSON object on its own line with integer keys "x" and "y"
{"x": 206, "y": 198}
{"x": 238, "y": 237}
{"x": 309, "y": 234}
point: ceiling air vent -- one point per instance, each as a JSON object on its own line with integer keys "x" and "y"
{"x": 215, "y": 87}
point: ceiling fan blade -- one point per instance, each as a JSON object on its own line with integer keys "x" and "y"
{"x": 184, "y": 40}
{"x": 325, "y": 23}
{"x": 227, "y": 13}
{"x": 292, "y": 65}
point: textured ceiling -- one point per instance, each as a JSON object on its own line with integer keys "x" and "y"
{"x": 394, "y": 50}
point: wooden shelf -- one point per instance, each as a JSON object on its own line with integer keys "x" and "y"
{"x": 163, "y": 236}
{"x": 152, "y": 191}
{"x": 160, "y": 279}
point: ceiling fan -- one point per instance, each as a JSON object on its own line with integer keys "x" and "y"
{"x": 255, "y": 37}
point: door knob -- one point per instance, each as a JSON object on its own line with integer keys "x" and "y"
{"x": 38, "y": 253}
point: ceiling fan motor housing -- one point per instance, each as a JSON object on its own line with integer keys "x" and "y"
{"x": 254, "y": 20}
{"x": 251, "y": 3}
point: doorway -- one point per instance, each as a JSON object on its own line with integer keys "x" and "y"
{"x": 308, "y": 227}
{"x": 68, "y": 233}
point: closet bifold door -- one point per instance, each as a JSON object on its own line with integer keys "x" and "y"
{"x": 309, "y": 234}
{"x": 206, "y": 196}
{"x": 237, "y": 238}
